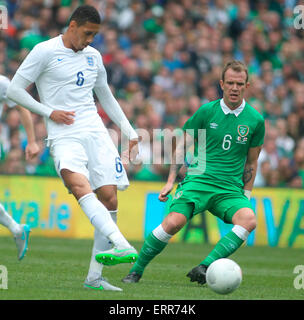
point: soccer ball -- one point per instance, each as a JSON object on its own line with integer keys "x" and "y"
{"x": 223, "y": 276}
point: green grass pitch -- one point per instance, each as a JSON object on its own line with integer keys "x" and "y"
{"x": 55, "y": 269}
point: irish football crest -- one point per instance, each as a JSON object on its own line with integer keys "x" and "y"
{"x": 178, "y": 194}
{"x": 243, "y": 131}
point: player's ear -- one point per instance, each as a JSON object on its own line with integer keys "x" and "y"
{"x": 247, "y": 85}
{"x": 73, "y": 25}
{"x": 222, "y": 84}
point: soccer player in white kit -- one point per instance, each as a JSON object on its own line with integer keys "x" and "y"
{"x": 66, "y": 70}
{"x": 20, "y": 232}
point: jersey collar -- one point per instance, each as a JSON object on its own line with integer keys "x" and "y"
{"x": 68, "y": 49}
{"x": 236, "y": 111}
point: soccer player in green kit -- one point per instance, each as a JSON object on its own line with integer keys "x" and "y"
{"x": 221, "y": 179}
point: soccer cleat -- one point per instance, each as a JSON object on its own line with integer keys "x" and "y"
{"x": 132, "y": 277}
{"x": 198, "y": 274}
{"x": 22, "y": 241}
{"x": 100, "y": 284}
{"x": 116, "y": 256}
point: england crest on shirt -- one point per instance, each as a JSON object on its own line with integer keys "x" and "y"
{"x": 90, "y": 61}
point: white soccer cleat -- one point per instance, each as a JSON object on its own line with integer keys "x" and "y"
{"x": 100, "y": 284}
{"x": 22, "y": 241}
{"x": 116, "y": 256}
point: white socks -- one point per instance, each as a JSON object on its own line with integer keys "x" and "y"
{"x": 101, "y": 243}
{"x": 9, "y": 222}
{"x": 161, "y": 234}
{"x": 241, "y": 232}
{"x": 101, "y": 219}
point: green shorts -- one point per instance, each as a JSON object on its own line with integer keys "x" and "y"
{"x": 221, "y": 203}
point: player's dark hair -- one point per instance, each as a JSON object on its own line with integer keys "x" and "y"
{"x": 237, "y": 66}
{"x": 85, "y": 14}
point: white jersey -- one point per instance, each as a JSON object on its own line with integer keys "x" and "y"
{"x": 65, "y": 81}
{"x": 4, "y": 83}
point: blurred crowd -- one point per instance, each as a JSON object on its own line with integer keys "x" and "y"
{"x": 164, "y": 60}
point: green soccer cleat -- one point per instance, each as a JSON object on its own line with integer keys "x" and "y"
{"x": 116, "y": 256}
{"x": 100, "y": 284}
{"x": 198, "y": 274}
{"x": 22, "y": 241}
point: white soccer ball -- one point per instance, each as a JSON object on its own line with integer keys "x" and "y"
{"x": 223, "y": 276}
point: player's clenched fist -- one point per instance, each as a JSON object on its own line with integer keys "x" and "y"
{"x": 31, "y": 151}
{"x": 64, "y": 117}
{"x": 165, "y": 191}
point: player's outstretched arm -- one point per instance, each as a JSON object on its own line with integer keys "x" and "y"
{"x": 178, "y": 159}
{"x": 110, "y": 104}
{"x": 115, "y": 113}
{"x": 250, "y": 169}
{"x": 113, "y": 110}
{"x": 32, "y": 148}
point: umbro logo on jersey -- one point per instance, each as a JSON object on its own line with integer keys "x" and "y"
{"x": 213, "y": 125}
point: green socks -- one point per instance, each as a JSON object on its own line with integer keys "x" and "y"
{"x": 225, "y": 247}
{"x": 151, "y": 247}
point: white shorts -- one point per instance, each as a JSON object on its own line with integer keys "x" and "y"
{"x": 92, "y": 154}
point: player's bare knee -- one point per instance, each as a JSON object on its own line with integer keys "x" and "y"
{"x": 174, "y": 222}
{"x": 245, "y": 218}
{"x": 249, "y": 222}
{"x": 252, "y": 223}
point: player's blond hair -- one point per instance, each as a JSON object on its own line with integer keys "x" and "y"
{"x": 237, "y": 66}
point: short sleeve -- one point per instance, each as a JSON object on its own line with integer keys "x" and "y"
{"x": 35, "y": 62}
{"x": 258, "y": 136}
{"x": 197, "y": 121}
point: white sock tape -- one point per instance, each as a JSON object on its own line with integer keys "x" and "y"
{"x": 241, "y": 232}
{"x": 161, "y": 234}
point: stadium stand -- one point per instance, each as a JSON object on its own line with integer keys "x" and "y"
{"x": 163, "y": 60}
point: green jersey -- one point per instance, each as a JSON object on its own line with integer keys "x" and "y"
{"x": 227, "y": 137}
